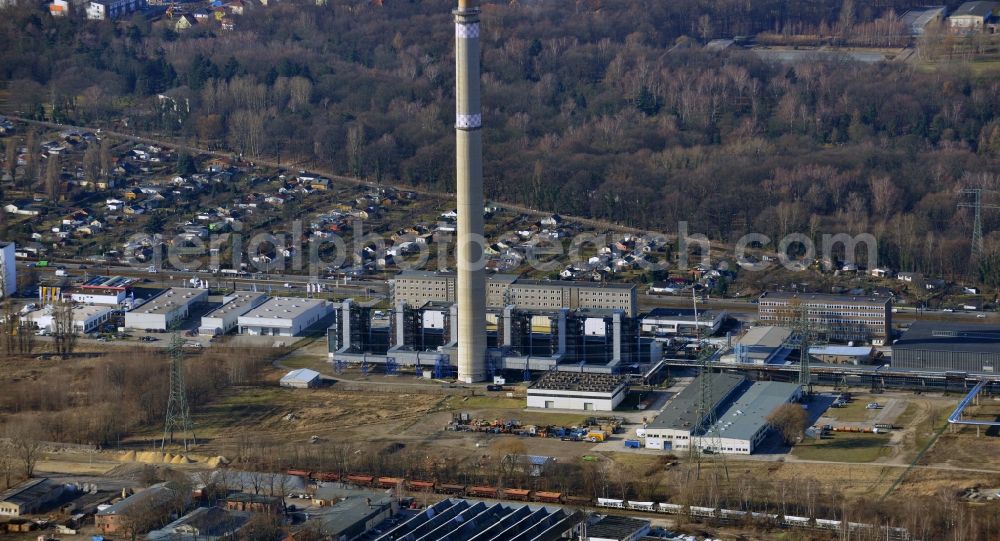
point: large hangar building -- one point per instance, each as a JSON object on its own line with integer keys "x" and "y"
{"x": 948, "y": 347}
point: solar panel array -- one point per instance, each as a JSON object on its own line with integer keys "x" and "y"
{"x": 465, "y": 520}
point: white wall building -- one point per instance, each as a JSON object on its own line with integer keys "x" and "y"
{"x": 741, "y": 410}
{"x": 226, "y": 317}
{"x": 283, "y": 316}
{"x": 303, "y": 378}
{"x": 662, "y": 321}
{"x": 100, "y": 10}
{"x": 577, "y": 391}
{"x": 86, "y": 319}
{"x": 106, "y": 296}
{"x": 8, "y": 267}
{"x": 164, "y": 310}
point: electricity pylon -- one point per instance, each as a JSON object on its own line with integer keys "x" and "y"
{"x": 977, "y": 228}
{"x": 705, "y": 407}
{"x": 178, "y": 416}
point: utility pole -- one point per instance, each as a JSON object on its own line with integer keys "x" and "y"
{"x": 805, "y": 340}
{"x": 705, "y": 408}
{"x": 178, "y": 417}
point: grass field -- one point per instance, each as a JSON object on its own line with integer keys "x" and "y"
{"x": 844, "y": 447}
{"x": 854, "y": 411}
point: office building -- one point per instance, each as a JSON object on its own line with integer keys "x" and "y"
{"x": 840, "y": 318}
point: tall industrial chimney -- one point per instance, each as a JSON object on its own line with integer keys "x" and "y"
{"x": 471, "y": 279}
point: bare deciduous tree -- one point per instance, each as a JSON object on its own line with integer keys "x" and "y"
{"x": 790, "y": 420}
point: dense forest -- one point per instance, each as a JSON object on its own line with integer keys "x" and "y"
{"x": 608, "y": 109}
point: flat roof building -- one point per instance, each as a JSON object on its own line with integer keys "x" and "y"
{"x": 97, "y": 295}
{"x": 843, "y": 354}
{"x": 762, "y": 345}
{"x": 740, "y": 409}
{"x": 226, "y": 317}
{"x": 664, "y": 321}
{"x": 86, "y": 319}
{"x": 283, "y": 316}
{"x": 303, "y": 378}
{"x": 165, "y": 310}
{"x": 948, "y": 347}
{"x": 577, "y": 391}
{"x": 841, "y": 318}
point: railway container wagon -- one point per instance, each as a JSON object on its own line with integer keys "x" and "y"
{"x": 672, "y": 508}
{"x": 576, "y": 500}
{"x": 360, "y": 480}
{"x": 518, "y": 494}
{"x": 548, "y": 497}
{"x": 445, "y": 488}
{"x": 326, "y": 476}
{"x": 792, "y": 520}
{"x": 420, "y": 486}
{"x": 640, "y": 506}
{"x": 484, "y": 492}
{"x": 827, "y": 524}
{"x": 389, "y": 482}
{"x": 702, "y": 511}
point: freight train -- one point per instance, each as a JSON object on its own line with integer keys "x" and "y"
{"x": 539, "y": 496}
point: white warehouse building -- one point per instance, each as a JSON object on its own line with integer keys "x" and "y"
{"x": 741, "y": 411}
{"x": 283, "y": 316}
{"x": 8, "y": 267}
{"x": 577, "y": 391}
{"x": 226, "y": 317}
{"x": 165, "y": 310}
{"x": 86, "y": 319}
{"x": 111, "y": 296}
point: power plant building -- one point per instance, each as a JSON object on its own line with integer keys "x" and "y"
{"x": 842, "y": 318}
{"x": 948, "y": 347}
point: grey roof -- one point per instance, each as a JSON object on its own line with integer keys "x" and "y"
{"x": 27, "y": 492}
{"x": 353, "y": 507}
{"x": 957, "y": 337}
{"x": 616, "y": 527}
{"x": 748, "y": 413}
{"x": 766, "y": 336}
{"x": 300, "y": 375}
{"x": 918, "y": 18}
{"x": 240, "y": 303}
{"x": 465, "y": 520}
{"x": 282, "y": 308}
{"x": 682, "y": 411}
{"x": 154, "y": 496}
{"x": 169, "y": 300}
{"x": 202, "y": 523}
{"x": 979, "y": 9}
